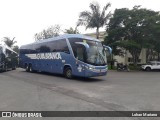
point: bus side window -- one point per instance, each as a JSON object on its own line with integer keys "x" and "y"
{"x": 44, "y": 48}
{"x": 26, "y": 50}
{"x": 58, "y": 46}
{"x": 62, "y": 46}
{"x": 52, "y": 46}
{"x": 37, "y": 48}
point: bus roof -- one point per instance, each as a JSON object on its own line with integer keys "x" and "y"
{"x": 65, "y": 36}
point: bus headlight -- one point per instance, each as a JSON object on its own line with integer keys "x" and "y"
{"x": 90, "y": 67}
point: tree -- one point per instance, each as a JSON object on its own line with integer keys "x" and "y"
{"x": 95, "y": 18}
{"x": 48, "y": 33}
{"x": 16, "y": 48}
{"x": 155, "y": 27}
{"x": 9, "y": 42}
{"x": 131, "y": 30}
{"x": 71, "y": 31}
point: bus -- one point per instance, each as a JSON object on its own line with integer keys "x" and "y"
{"x": 8, "y": 58}
{"x": 70, "y": 55}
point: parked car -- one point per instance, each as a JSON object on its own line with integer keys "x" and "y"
{"x": 152, "y": 65}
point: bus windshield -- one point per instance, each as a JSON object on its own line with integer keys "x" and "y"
{"x": 94, "y": 55}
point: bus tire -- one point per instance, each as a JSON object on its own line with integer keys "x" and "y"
{"x": 27, "y": 68}
{"x": 68, "y": 73}
{"x": 31, "y": 68}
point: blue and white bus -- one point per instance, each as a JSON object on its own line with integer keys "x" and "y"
{"x": 8, "y": 58}
{"x": 70, "y": 55}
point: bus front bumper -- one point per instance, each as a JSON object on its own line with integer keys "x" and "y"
{"x": 95, "y": 72}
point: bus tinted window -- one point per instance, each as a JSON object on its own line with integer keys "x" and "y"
{"x": 54, "y": 46}
{"x": 62, "y": 46}
{"x": 22, "y": 51}
{"x": 42, "y": 48}
{"x": 58, "y": 46}
{"x": 36, "y": 48}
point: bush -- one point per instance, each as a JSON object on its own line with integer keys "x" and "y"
{"x": 113, "y": 67}
{"x": 134, "y": 67}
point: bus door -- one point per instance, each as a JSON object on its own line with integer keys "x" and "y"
{"x": 79, "y": 53}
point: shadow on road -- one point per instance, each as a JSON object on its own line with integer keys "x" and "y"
{"x": 82, "y": 79}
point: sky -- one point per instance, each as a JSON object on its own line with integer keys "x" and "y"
{"x": 23, "y": 18}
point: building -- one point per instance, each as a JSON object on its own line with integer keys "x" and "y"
{"x": 127, "y": 59}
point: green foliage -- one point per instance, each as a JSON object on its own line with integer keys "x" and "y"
{"x": 9, "y": 42}
{"x": 133, "y": 30}
{"x": 94, "y": 18}
{"x": 16, "y": 49}
{"x": 71, "y": 31}
{"x": 134, "y": 67}
{"x": 48, "y": 33}
{"x": 113, "y": 67}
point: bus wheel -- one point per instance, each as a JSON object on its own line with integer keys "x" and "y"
{"x": 27, "y": 68}
{"x": 31, "y": 68}
{"x": 68, "y": 73}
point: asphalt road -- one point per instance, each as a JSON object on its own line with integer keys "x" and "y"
{"x": 118, "y": 91}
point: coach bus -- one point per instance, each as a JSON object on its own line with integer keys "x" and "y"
{"x": 70, "y": 55}
{"x": 8, "y": 58}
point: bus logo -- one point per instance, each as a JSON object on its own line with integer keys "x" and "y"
{"x": 48, "y": 56}
{"x": 52, "y": 55}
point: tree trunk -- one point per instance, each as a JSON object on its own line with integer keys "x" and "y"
{"x": 135, "y": 55}
{"x": 147, "y": 55}
{"x": 97, "y": 33}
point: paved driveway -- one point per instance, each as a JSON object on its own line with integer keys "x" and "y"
{"x": 118, "y": 91}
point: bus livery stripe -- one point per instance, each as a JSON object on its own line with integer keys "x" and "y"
{"x": 51, "y": 55}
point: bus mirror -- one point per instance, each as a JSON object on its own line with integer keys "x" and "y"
{"x": 84, "y": 44}
{"x": 107, "y": 49}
